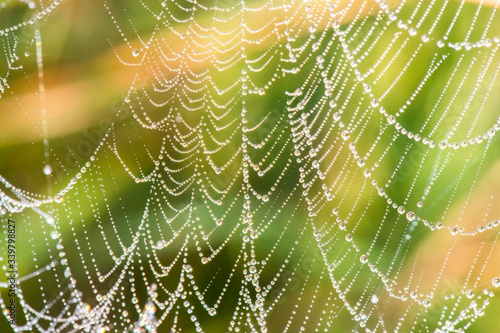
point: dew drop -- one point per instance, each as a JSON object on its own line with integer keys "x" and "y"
{"x": 135, "y": 53}
{"x": 47, "y": 170}
{"x": 84, "y": 308}
{"x": 345, "y": 135}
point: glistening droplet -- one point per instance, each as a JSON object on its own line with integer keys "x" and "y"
{"x": 47, "y": 169}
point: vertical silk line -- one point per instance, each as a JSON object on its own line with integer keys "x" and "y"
{"x": 47, "y": 169}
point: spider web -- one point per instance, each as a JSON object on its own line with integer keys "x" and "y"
{"x": 266, "y": 166}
